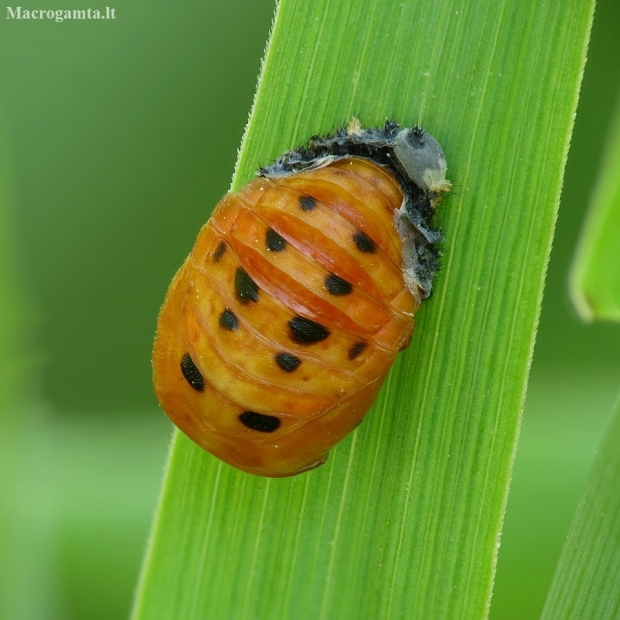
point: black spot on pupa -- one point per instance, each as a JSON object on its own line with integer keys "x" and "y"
{"x": 335, "y": 285}
{"x": 260, "y": 422}
{"x": 287, "y": 362}
{"x": 192, "y": 374}
{"x": 305, "y": 331}
{"x": 273, "y": 241}
{"x": 245, "y": 288}
{"x": 228, "y": 320}
{"x": 219, "y": 251}
{"x": 307, "y": 203}
{"x": 364, "y": 243}
{"x": 357, "y": 349}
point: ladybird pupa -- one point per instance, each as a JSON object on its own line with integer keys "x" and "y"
{"x": 280, "y": 327}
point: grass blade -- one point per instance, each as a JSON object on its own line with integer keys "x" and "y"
{"x": 595, "y": 278}
{"x": 587, "y": 580}
{"x": 404, "y": 520}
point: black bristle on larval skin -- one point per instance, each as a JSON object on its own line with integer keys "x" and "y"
{"x": 375, "y": 144}
{"x": 372, "y": 143}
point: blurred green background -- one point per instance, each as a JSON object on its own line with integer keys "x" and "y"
{"x": 119, "y": 137}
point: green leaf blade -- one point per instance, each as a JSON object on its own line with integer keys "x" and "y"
{"x": 586, "y": 584}
{"x": 595, "y": 278}
{"x": 404, "y": 519}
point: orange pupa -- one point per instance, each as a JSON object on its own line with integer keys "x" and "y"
{"x": 280, "y": 327}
